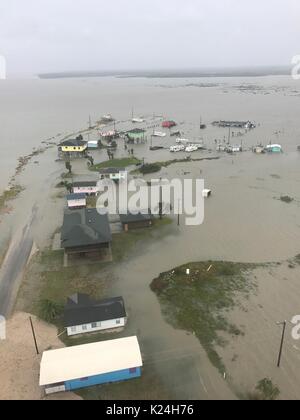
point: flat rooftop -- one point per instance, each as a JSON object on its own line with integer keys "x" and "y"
{"x": 88, "y": 360}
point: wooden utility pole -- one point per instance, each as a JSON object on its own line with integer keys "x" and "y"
{"x": 160, "y": 200}
{"x": 34, "y": 337}
{"x": 282, "y": 341}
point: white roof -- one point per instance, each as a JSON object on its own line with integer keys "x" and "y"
{"x": 89, "y": 360}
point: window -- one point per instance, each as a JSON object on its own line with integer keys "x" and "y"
{"x": 84, "y": 327}
{"x": 73, "y": 329}
{"x": 118, "y": 321}
{"x": 94, "y": 325}
{"x": 132, "y": 371}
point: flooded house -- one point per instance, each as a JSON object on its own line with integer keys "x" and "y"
{"x": 85, "y": 315}
{"x": 86, "y": 187}
{"x": 86, "y": 233}
{"x": 76, "y": 201}
{"x": 73, "y": 148}
{"x": 114, "y": 174}
{"x": 87, "y": 365}
{"x": 131, "y": 221}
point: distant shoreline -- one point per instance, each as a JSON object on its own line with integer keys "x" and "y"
{"x": 168, "y": 74}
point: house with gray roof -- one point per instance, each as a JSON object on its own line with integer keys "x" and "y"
{"x": 85, "y": 232}
{"x": 83, "y": 314}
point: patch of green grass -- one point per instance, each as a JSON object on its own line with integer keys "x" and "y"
{"x": 198, "y": 302}
{"x": 116, "y": 163}
{"x": 46, "y": 280}
{"x": 149, "y": 168}
{"x": 10, "y": 194}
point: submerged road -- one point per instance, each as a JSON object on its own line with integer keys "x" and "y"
{"x": 14, "y": 264}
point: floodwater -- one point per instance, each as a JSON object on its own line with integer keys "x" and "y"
{"x": 244, "y": 219}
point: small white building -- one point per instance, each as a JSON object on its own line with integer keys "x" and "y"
{"x": 114, "y": 174}
{"x": 206, "y": 193}
{"x": 86, "y": 187}
{"x": 84, "y": 315}
{"x": 76, "y": 201}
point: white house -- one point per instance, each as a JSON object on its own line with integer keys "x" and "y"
{"x": 84, "y": 315}
{"x": 114, "y": 174}
{"x": 76, "y": 201}
{"x": 85, "y": 187}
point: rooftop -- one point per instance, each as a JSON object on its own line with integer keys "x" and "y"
{"x": 73, "y": 143}
{"x": 132, "y": 218}
{"x": 89, "y": 360}
{"x": 81, "y": 309}
{"x": 71, "y": 197}
{"x": 84, "y": 227}
{"x": 85, "y": 184}
{"x": 110, "y": 171}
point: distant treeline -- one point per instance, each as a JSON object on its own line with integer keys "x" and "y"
{"x": 211, "y": 72}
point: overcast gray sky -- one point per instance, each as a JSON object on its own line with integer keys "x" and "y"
{"x": 58, "y": 35}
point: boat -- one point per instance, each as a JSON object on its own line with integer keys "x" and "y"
{"x": 202, "y": 126}
{"x": 137, "y": 120}
{"x": 158, "y": 134}
{"x": 107, "y": 118}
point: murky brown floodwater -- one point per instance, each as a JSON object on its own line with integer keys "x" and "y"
{"x": 244, "y": 220}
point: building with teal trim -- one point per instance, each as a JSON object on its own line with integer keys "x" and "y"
{"x": 88, "y": 365}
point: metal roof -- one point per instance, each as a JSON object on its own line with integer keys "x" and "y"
{"x": 111, "y": 171}
{"x": 85, "y": 184}
{"x": 79, "y": 196}
{"x": 84, "y": 228}
{"x": 88, "y": 360}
